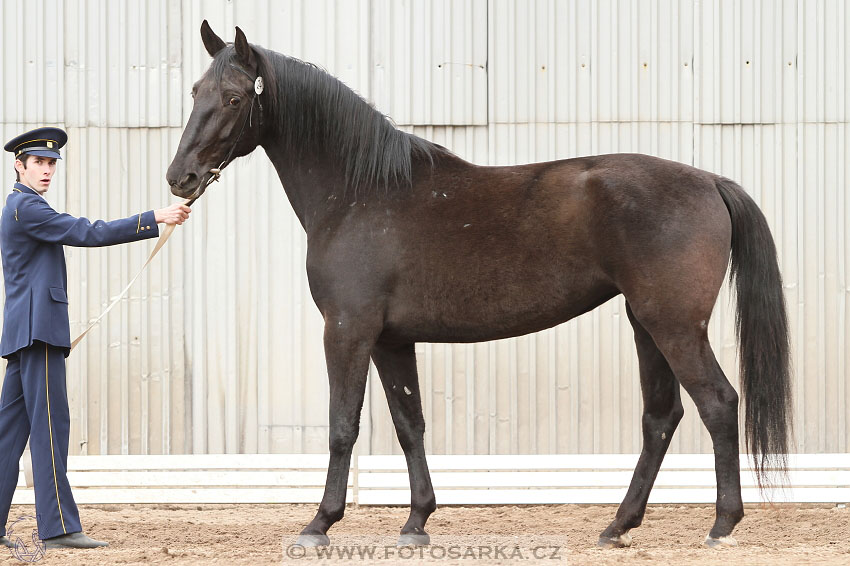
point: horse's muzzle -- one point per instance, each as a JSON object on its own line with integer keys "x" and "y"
{"x": 180, "y": 191}
{"x": 190, "y": 185}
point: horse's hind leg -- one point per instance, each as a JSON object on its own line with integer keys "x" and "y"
{"x": 685, "y": 346}
{"x": 662, "y": 411}
{"x": 347, "y": 352}
{"x": 397, "y": 369}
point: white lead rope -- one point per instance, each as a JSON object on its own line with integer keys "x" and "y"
{"x": 169, "y": 228}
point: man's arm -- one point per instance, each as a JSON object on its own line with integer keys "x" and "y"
{"x": 43, "y": 223}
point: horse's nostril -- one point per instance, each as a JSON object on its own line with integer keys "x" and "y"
{"x": 188, "y": 180}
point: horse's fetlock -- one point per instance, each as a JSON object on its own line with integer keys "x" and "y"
{"x": 735, "y": 515}
{"x": 333, "y": 515}
{"x": 430, "y": 505}
{"x": 631, "y": 521}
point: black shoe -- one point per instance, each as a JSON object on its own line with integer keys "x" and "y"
{"x": 73, "y": 540}
{"x": 6, "y": 542}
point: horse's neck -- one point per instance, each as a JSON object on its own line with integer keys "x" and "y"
{"x": 316, "y": 185}
{"x": 312, "y": 184}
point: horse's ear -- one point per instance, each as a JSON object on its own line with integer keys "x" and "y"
{"x": 243, "y": 50}
{"x": 212, "y": 42}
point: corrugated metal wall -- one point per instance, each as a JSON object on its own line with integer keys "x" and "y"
{"x": 218, "y": 349}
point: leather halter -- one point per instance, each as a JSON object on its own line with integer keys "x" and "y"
{"x": 216, "y": 172}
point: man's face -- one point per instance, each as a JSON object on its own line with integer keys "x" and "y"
{"x": 38, "y": 172}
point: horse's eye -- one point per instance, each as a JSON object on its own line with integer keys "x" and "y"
{"x": 234, "y": 101}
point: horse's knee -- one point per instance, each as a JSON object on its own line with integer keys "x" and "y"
{"x": 662, "y": 424}
{"x": 676, "y": 414}
{"x": 728, "y": 396}
{"x": 668, "y": 418}
{"x": 410, "y": 442}
{"x": 411, "y": 433}
{"x": 719, "y": 409}
{"x": 342, "y": 441}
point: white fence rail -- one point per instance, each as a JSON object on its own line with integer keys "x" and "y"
{"x": 197, "y": 478}
{"x": 458, "y": 480}
{"x": 593, "y": 478}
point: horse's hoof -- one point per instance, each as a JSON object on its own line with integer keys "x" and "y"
{"x": 622, "y": 541}
{"x": 414, "y": 539}
{"x": 307, "y": 540}
{"x": 720, "y": 542}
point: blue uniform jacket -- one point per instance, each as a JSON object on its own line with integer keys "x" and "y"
{"x": 31, "y": 238}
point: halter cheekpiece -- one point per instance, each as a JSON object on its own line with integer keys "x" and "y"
{"x": 258, "y": 90}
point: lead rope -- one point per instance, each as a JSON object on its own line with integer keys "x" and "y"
{"x": 215, "y": 174}
{"x": 166, "y": 233}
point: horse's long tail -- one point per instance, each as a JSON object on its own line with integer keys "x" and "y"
{"x": 762, "y": 328}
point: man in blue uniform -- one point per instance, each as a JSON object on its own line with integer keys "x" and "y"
{"x": 36, "y": 335}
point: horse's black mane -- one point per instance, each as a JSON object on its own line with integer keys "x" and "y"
{"x": 314, "y": 110}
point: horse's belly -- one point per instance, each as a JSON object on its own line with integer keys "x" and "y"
{"x": 476, "y": 313}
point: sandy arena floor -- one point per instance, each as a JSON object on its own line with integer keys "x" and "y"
{"x": 230, "y": 534}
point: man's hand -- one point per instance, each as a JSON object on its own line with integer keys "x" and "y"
{"x": 174, "y": 214}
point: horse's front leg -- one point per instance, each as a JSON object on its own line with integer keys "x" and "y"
{"x": 397, "y": 368}
{"x": 348, "y": 344}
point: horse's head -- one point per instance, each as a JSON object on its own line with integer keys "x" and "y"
{"x": 225, "y": 120}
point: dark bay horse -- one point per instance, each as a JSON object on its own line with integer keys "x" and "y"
{"x": 409, "y": 243}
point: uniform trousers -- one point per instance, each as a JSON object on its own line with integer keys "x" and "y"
{"x": 34, "y": 405}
